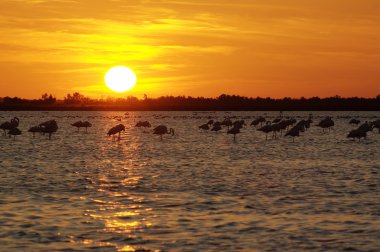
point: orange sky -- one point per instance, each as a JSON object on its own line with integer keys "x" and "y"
{"x": 254, "y": 48}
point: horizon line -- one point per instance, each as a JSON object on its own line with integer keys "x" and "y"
{"x": 376, "y": 96}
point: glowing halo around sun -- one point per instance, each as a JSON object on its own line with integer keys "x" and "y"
{"x": 120, "y": 79}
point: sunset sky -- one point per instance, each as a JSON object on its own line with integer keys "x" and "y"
{"x": 273, "y": 48}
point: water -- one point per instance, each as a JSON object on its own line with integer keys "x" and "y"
{"x": 196, "y": 191}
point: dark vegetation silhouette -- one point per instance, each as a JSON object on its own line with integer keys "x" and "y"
{"x": 77, "y": 101}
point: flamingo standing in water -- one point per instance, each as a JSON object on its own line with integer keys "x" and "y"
{"x": 326, "y": 123}
{"x": 234, "y": 131}
{"x": 161, "y": 130}
{"x": 14, "y": 132}
{"x": 49, "y": 127}
{"x": 35, "y": 129}
{"x": 116, "y": 130}
{"x": 354, "y": 121}
{"x": 295, "y": 131}
{"x": 10, "y": 125}
{"x": 216, "y": 127}
{"x": 266, "y": 129}
{"x": 81, "y": 124}
{"x": 357, "y": 133}
{"x": 376, "y": 124}
{"x": 204, "y": 126}
{"x": 258, "y": 121}
{"x": 144, "y": 124}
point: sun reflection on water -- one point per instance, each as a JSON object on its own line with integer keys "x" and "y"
{"x": 118, "y": 208}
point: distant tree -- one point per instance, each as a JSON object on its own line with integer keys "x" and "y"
{"x": 75, "y": 98}
{"x": 48, "y": 99}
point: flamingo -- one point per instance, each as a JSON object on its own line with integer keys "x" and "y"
{"x": 354, "y": 121}
{"x": 15, "y": 122}
{"x": 86, "y": 124}
{"x": 210, "y": 122}
{"x": 239, "y": 124}
{"x": 162, "y": 129}
{"x": 81, "y": 124}
{"x": 365, "y": 127}
{"x": 204, "y": 126}
{"x": 278, "y": 119}
{"x": 258, "y": 121}
{"x": 326, "y": 123}
{"x": 35, "y": 129}
{"x": 216, "y": 127}
{"x": 266, "y": 129}
{"x": 49, "y": 127}
{"x": 376, "y": 124}
{"x": 227, "y": 122}
{"x": 10, "y": 125}
{"x": 357, "y": 133}
{"x": 294, "y": 132}
{"x": 5, "y": 126}
{"x": 234, "y": 131}
{"x": 14, "y": 132}
{"x": 144, "y": 124}
{"x": 116, "y": 130}
{"x": 302, "y": 125}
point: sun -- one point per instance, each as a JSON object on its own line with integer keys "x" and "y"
{"x": 120, "y": 79}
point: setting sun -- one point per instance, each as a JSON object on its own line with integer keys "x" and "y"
{"x": 120, "y": 79}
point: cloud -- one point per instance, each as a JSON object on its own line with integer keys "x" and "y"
{"x": 245, "y": 40}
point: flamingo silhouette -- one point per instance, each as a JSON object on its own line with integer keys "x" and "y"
{"x": 266, "y": 129}
{"x": 275, "y": 128}
{"x": 9, "y": 125}
{"x": 227, "y": 122}
{"x": 216, "y": 127}
{"x": 354, "y": 121}
{"x": 357, "y": 133}
{"x": 234, "y": 131}
{"x": 49, "y": 127}
{"x": 295, "y": 131}
{"x": 365, "y": 127}
{"x": 116, "y": 130}
{"x": 258, "y": 121}
{"x": 144, "y": 124}
{"x": 238, "y": 124}
{"x": 14, "y": 132}
{"x": 161, "y": 130}
{"x": 204, "y": 126}
{"x": 35, "y": 129}
{"x": 80, "y": 124}
{"x": 326, "y": 123}
{"x": 5, "y": 126}
{"x": 376, "y": 124}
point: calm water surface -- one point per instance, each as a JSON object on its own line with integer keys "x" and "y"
{"x": 196, "y": 191}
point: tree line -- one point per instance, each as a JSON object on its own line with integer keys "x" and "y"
{"x": 77, "y": 101}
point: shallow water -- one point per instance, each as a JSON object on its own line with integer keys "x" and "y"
{"x": 196, "y": 191}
